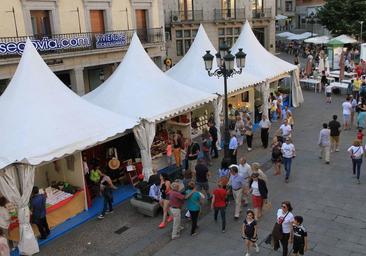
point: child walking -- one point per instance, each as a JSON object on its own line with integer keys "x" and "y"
{"x": 360, "y": 135}
{"x": 328, "y": 93}
{"x": 299, "y": 237}
{"x": 218, "y": 204}
{"x": 249, "y": 232}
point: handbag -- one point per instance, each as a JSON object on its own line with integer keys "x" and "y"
{"x": 267, "y": 205}
{"x": 277, "y": 232}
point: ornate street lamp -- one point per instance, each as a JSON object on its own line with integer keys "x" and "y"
{"x": 226, "y": 68}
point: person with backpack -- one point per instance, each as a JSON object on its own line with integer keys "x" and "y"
{"x": 192, "y": 154}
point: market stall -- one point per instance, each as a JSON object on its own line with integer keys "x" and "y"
{"x": 266, "y": 66}
{"x": 149, "y": 95}
{"x": 41, "y": 120}
{"x": 192, "y": 64}
{"x": 336, "y": 47}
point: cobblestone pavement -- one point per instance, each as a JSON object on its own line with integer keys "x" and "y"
{"x": 327, "y": 196}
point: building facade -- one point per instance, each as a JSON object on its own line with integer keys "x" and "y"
{"x": 82, "y": 41}
{"x": 222, "y": 20}
{"x": 286, "y": 8}
{"x": 305, "y": 16}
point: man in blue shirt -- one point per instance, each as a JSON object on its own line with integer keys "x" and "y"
{"x": 233, "y": 146}
{"x": 237, "y": 183}
{"x": 38, "y": 207}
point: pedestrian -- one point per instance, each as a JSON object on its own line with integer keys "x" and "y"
{"x": 237, "y": 183}
{"x": 277, "y": 156}
{"x": 347, "y": 109}
{"x": 233, "y": 147}
{"x": 239, "y": 129}
{"x": 224, "y": 172}
{"x": 218, "y": 204}
{"x": 285, "y": 218}
{"x": 335, "y": 131}
{"x": 5, "y": 220}
{"x": 192, "y": 151}
{"x": 4, "y": 247}
{"x": 202, "y": 175}
{"x": 106, "y": 188}
{"x": 265, "y": 125}
{"x": 290, "y": 120}
{"x": 249, "y": 232}
{"x": 38, "y": 208}
{"x": 206, "y": 146}
{"x": 360, "y": 135}
{"x": 288, "y": 153}
{"x": 169, "y": 152}
{"x": 194, "y": 205}
{"x": 328, "y": 93}
{"x": 256, "y": 169}
{"x": 356, "y": 151}
{"x": 249, "y": 132}
{"x": 176, "y": 201}
{"x": 285, "y": 130}
{"x": 177, "y": 150}
{"x": 259, "y": 191}
{"x": 323, "y": 81}
{"x": 165, "y": 187}
{"x": 300, "y": 237}
{"x": 324, "y": 143}
{"x": 214, "y": 135}
{"x": 244, "y": 170}
{"x": 353, "y": 110}
{"x": 361, "y": 114}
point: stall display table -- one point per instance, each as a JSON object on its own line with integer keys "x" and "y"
{"x": 309, "y": 82}
{"x": 335, "y": 74}
{"x": 339, "y": 85}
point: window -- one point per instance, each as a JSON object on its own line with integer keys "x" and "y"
{"x": 227, "y": 4}
{"x": 288, "y": 6}
{"x": 184, "y": 39}
{"x": 257, "y": 5}
{"x": 228, "y": 35}
{"x": 41, "y": 23}
{"x": 186, "y": 9}
{"x": 97, "y": 21}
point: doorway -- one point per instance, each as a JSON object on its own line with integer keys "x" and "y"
{"x": 141, "y": 24}
{"x": 41, "y": 24}
{"x": 97, "y": 21}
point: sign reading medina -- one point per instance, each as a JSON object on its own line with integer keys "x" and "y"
{"x": 46, "y": 44}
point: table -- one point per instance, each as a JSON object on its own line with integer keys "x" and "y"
{"x": 335, "y": 74}
{"x": 339, "y": 85}
{"x": 311, "y": 83}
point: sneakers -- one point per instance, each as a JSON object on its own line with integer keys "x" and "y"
{"x": 223, "y": 231}
{"x": 170, "y": 219}
{"x": 337, "y": 150}
{"x": 249, "y": 149}
{"x": 256, "y": 248}
{"x": 327, "y": 162}
{"x": 247, "y": 254}
{"x": 358, "y": 181}
{"x": 162, "y": 225}
{"x": 101, "y": 216}
{"x": 108, "y": 212}
{"x": 194, "y": 234}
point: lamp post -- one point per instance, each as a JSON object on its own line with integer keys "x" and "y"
{"x": 226, "y": 68}
{"x": 361, "y": 22}
{"x": 311, "y": 20}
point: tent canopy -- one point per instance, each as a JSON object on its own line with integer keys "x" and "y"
{"x": 285, "y": 34}
{"x": 139, "y": 89}
{"x": 335, "y": 42}
{"x": 318, "y": 40}
{"x": 191, "y": 71}
{"x": 281, "y": 17}
{"x": 344, "y": 39}
{"x": 300, "y": 36}
{"x": 41, "y": 119}
{"x": 259, "y": 61}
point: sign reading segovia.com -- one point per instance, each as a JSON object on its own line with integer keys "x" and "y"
{"x": 47, "y": 44}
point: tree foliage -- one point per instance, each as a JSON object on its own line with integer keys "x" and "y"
{"x": 343, "y": 16}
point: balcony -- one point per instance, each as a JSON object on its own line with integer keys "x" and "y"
{"x": 184, "y": 16}
{"x": 229, "y": 14}
{"x": 78, "y": 42}
{"x": 265, "y": 13}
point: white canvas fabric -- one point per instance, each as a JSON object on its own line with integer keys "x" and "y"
{"x": 265, "y": 94}
{"x": 318, "y": 40}
{"x": 10, "y": 188}
{"x": 144, "y": 134}
{"x": 41, "y": 119}
{"x": 297, "y": 97}
{"x": 300, "y": 36}
{"x": 346, "y": 39}
{"x": 281, "y": 17}
{"x": 259, "y": 61}
{"x": 285, "y": 34}
{"x": 139, "y": 89}
{"x": 218, "y": 107}
{"x": 191, "y": 71}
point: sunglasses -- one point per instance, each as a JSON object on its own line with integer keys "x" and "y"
{"x": 284, "y": 206}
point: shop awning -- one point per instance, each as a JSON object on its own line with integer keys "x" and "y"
{"x": 41, "y": 119}
{"x": 285, "y": 34}
{"x": 318, "y": 40}
{"x": 259, "y": 61}
{"x": 139, "y": 89}
{"x": 301, "y": 36}
{"x": 191, "y": 71}
{"x": 344, "y": 39}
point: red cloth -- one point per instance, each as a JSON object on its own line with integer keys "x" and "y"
{"x": 176, "y": 199}
{"x": 360, "y": 136}
{"x": 257, "y": 201}
{"x": 220, "y": 197}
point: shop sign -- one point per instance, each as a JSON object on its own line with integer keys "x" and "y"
{"x": 46, "y": 44}
{"x": 109, "y": 40}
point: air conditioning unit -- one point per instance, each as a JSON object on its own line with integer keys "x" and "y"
{"x": 175, "y": 18}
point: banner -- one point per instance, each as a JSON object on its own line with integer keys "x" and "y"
{"x": 109, "y": 40}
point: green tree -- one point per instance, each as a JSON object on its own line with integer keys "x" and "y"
{"x": 343, "y": 16}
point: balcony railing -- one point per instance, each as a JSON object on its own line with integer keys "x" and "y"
{"x": 229, "y": 14}
{"x": 185, "y": 16}
{"x": 264, "y": 13}
{"x": 75, "y": 42}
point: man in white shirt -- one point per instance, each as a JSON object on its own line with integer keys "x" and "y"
{"x": 265, "y": 125}
{"x": 288, "y": 152}
{"x": 324, "y": 143}
{"x": 233, "y": 147}
{"x": 285, "y": 129}
{"x": 347, "y": 109}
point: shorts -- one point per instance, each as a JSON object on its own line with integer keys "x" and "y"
{"x": 251, "y": 238}
{"x": 346, "y": 118}
{"x": 257, "y": 201}
{"x": 202, "y": 185}
{"x": 328, "y": 94}
{"x": 298, "y": 248}
{"x": 334, "y": 139}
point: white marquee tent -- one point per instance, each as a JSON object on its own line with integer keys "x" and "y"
{"x": 345, "y": 39}
{"x": 41, "y": 120}
{"x": 285, "y": 34}
{"x": 139, "y": 89}
{"x": 318, "y": 40}
{"x": 265, "y": 65}
{"x": 191, "y": 71}
{"x": 300, "y": 36}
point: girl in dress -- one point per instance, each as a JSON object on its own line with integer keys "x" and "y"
{"x": 249, "y": 232}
